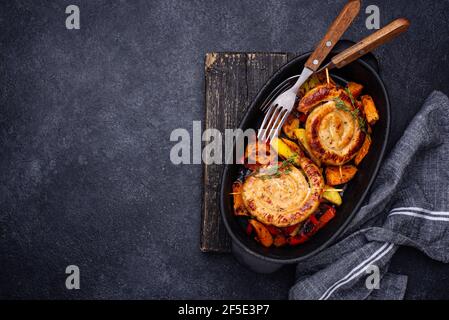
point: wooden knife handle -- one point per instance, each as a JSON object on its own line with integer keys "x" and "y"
{"x": 336, "y": 30}
{"x": 371, "y": 42}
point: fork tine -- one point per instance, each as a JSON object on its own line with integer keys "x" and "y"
{"x": 274, "y": 125}
{"x": 273, "y": 118}
{"x": 274, "y": 132}
{"x": 275, "y": 112}
{"x": 267, "y": 117}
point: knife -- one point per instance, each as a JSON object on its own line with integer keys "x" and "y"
{"x": 381, "y": 36}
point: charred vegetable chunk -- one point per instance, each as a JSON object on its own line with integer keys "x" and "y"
{"x": 280, "y": 240}
{"x": 284, "y": 150}
{"x": 339, "y": 175}
{"x": 293, "y": 146}
{"x": 370, "y": 110}
{"x": 355, "y": 89}
{"x": 263, "y": 235}
{"x": 314, "y": 80}
{"x": 311, "y": 226}
{"x": 273, "y": 230}
{"x": 291, "y": 230}
{"x": 332, "y": 196}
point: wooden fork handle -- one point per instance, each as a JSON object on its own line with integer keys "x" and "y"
{"x": 387, "y": 33}
{"x": 334, "y": 33}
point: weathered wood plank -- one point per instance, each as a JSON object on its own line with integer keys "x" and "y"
{"x": 226, "y": 98}
{"x": 260, "y": 67}
{"x": 232, "y": 81}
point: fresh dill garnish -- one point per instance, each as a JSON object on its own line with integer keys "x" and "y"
{"x": 350, "y": 96}
{"x": 274, "y": 171}
{"x": 289, "y": 160}
{"x": 339, "y": 104}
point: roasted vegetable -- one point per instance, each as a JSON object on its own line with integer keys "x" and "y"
{"x": 363, "y": 150}
{"x": 291, "y": 230}
{"x": 300, "y": 135}
{"x": 239, "y": 207}
{"x": 311, "y": 226}
{"x": 327, "y": 216}
{"x": 249, "y": 229}
{"x": 298, "y": 239}
{"x": 263, "y": 235}
{"x": 332, "y": 196}
{"x": 314, "y": 80}
{"x": 339, "y": 174}
{"x": 293, "y": 146}
{"x": 284, "y": 150}
{"x": 273, "y": 230}
{"x": 370, "y": 110}
{"x": 290, "y": 124}
{"x": 280, "y": 240}
{"x": 355, "y": 89}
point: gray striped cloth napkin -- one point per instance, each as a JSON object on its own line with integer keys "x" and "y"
{"x": 408, "y": 206}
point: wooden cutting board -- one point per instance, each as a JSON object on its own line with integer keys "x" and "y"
{"x": 232, "y": 81}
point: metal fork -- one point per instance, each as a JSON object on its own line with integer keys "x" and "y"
{"x": 283, "y": 104}
{"x": 279, "y": 109}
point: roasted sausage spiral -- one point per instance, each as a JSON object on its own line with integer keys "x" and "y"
{"x": 333, "y": 127}
{"x": 287, "y": 199}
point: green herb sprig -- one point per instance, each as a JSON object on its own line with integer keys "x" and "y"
{"x": 351, "y": 96}
{"x": 274, "y": 171}
{"x": 354, "y": 113}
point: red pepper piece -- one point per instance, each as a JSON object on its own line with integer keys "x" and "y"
{"x": 298, "y": 239}
{"x": 326, "y": 217}
{"x": 280, "y": 241}
{"x": 314, "y": 220}
{"x": 312, "y": 226}
{"x": 249, "y": 229}
{"x": 288, "y": 230}
{"x": 273, "y": 230}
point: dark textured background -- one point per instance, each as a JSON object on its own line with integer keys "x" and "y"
{"x": 85, "y": 120}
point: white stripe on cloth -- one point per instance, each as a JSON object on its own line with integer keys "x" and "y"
{"x": 419, "y": 215}
{"x": 359, "y": 269}
{"x": 436, "y": 213}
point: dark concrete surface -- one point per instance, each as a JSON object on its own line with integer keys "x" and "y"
{"x": 85, "y": 120}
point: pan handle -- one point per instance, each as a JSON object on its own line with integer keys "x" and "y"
{"x": 387, "y": 33}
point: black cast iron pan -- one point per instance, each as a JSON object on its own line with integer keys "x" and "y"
{"x": 265, "y": 260}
